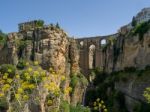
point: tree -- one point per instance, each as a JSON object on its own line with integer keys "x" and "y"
{"x": 1, "y": 31}
{"x": 40, "y": 23}
{"x": 57, "y": 25}
{"x": 134, "y": 22}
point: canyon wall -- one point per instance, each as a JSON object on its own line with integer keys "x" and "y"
{"x": 51, "y": 47}
{"x": 119, "y": 52}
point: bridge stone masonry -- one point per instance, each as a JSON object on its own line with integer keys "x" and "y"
{"x": 91, "y": 52}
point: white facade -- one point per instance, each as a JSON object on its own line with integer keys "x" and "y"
{"x": 143, "y": 16}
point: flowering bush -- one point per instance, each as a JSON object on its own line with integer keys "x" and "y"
{"x": 147, "y": 94}
{"x": 99, "y": 106}
{"x": 31, "y": 85}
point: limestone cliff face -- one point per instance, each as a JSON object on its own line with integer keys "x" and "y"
{"x": 137, "y": 53}
{"x": 128, "y": 51}
{"x": 133, "y": 86}
{"x": 8, "y": 51}
{"x": 52, "y": 48}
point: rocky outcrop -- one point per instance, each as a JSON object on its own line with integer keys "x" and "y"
{"x": 134, "y": 52}
{"x": 133, "y": 86}
{"x": 52, "y": 48}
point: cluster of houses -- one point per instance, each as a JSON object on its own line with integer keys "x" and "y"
{"x": 142, "y": 16}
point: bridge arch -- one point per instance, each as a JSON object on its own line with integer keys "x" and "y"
{"x": 91, "y": 58}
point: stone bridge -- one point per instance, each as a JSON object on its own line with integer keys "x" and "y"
{"x": 91, "y": 54}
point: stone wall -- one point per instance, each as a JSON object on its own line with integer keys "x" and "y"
{"x": 100, "y": 57}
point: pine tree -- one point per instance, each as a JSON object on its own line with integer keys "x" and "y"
{"x": 134, "y": 22}
{"x": 57, "y": 25}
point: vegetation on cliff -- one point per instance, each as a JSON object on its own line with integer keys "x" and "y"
{"x": 105, "y": 86}
{"x": 2, "y": 38}
{"x": 20, "y": 89}
{"x": 141, "y": 29}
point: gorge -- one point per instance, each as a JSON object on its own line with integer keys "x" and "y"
{"x": 114, "y": 68}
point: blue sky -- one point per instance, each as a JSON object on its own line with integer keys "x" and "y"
{"x": 79, "y": 18}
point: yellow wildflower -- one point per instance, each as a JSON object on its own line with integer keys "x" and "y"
{"x": 20, "y": 90}
{"x": 29, "y": 69}
{"x": 49, "y": 102}
{"x": 35, "y": 73}
{"x": 27, "y": 64}
{"x": 98, "y": 99}
{"x": 54, "y": 73}
{"x": 1, "y": 94}
{"x": 28, "y": 77}
{"x": 17, "y": 76}
{"x": 9, "y": 80}
{"x": 26, "y": 74}
{"x": 25, "y": 97}
{"x": 31, "y": 86}
{"x": 63, "y": 78}
{"x": 46, "y": 86}
{"x": 5, "y": 76}
{"x": 7, "y": 85}
{"x": 44, "y": 78}
{"x": 9, "y": 70}
{"x": 36, "y": 62}
{"x": 102, "y": 101}
{"x": 43, "y": 73}
{"x": 49, "y": 78}
{"x": 24, "y": 85}
{"x": 17, "y": 96}
{"x": 50, "y": 69}
{"x": 39, "y": 68}
{"x": 100, "y": 105}
{"x": 95, "y": 108}
{"x": 104, "y": 106}
{"x": 105, "y": 110}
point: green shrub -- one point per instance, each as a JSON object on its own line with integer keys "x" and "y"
{"x": 137, "y": 108}
{"x": 119, "y": 96}
{"x": 145, "y": 107}
{"x": 74, "y": 81}
{"x": 141, "y": 29}
{"x": 78, "y": 79}
{"x": 21, "y": 64}
{"x": 100, "y": 76}
{"x": 64, "y": 106}
{"x": 147, "y": 67}
{"x": 3, "y": 38}
{"x": 130, "y": 69}
{"x": 8, "y": 68}
{"x": 79, "y": 108}
{"x": 83, "y": 79}
{"x": 3, "y": 104}
{"x": 134, "y": 22}
{"x": 57, "y": 26}
{"x": 39, "y": 23}
{"x": 91, "y": 96}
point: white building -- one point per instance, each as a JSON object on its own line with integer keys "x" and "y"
{"x": 143, "y": 15}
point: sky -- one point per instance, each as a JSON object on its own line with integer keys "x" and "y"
{"x": 79, "y": 18}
